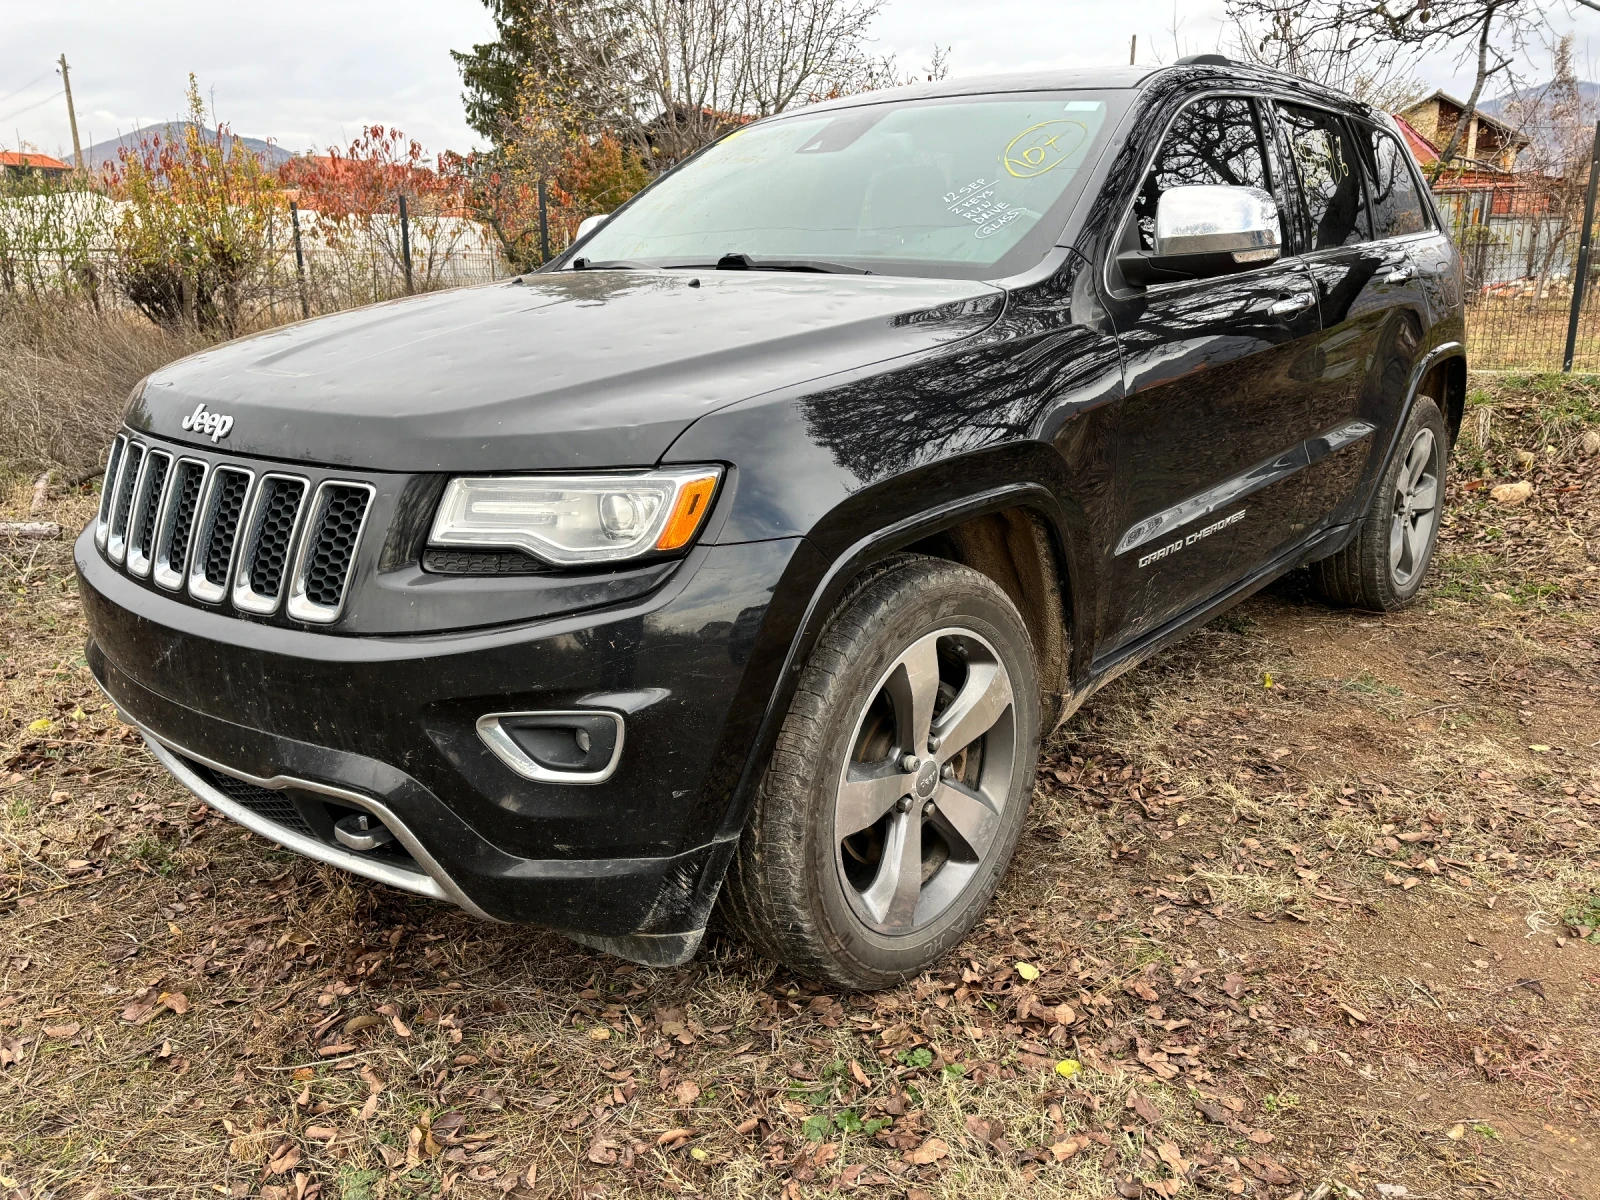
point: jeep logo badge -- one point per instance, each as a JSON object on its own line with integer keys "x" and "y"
{"x": 214, "y": 424}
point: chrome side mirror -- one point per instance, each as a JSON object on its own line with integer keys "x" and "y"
{"x": 589, "y": 224}
{"x": 1207, "y": 229}
{"x": 1216, "y": 219}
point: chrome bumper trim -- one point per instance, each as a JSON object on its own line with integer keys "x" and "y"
{"x": 435, "y": 884}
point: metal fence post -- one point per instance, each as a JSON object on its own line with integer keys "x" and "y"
{"x": 299, "y": 259}
{"x": 1580, "y": 270}
{"x": 544, "y": 225}
{"x": 405, "y": 243}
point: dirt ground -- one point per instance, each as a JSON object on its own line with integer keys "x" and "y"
{"x": 1306, "y": 908}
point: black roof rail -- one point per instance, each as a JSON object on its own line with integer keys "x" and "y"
{"x": 1204, "y": 60}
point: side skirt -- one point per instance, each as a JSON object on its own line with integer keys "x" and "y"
{"x": 1125, "y": 658}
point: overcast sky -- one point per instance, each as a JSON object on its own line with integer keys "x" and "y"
{"x": 308, "y": 73}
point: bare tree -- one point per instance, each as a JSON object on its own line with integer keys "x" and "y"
{"x": 1284, "y": 36}
{"x": 1357, "y": 36}
{"x": 685, "y": 71}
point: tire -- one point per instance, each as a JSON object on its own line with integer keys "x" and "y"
{"x": 859, "y": 867}
{"x": 1383, "y": 566}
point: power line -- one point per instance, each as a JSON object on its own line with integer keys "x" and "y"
{"x": 24, "y": 87}
{"x": 30, "y": 107}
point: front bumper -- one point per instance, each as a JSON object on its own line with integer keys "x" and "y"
{"x": 388, "y": 725}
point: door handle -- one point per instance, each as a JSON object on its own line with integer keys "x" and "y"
{"x": 1290, "y": 305}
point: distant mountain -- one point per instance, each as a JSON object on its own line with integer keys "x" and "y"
{"x": 106, "y": 151}
{"x": 1589, "y": 92}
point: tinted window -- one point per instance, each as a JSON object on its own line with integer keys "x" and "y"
{"x": 1396, "y": 203}
{"x": 1211, "y": 141}
{"x": 931, "y": 187}
{"x": 1319, "y": 145}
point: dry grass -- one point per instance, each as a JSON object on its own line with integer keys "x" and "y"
{"x": 66, "y": 377}
{"x": 1323, "y": 930}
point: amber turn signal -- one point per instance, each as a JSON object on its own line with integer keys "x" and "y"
{"x": 688, "y": 511}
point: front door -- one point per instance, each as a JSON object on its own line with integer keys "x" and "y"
{"x": 1214, "y": 418}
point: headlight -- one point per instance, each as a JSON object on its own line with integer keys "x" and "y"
{"x": 570, "y": 520}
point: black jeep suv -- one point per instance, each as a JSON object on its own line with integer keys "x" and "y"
{"x": 750, "y": 548}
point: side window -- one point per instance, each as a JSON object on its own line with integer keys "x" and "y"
{"x": 1210, "y": 141}
{"x": 1319, "y": 146}
{"x": 1397, "y": 207}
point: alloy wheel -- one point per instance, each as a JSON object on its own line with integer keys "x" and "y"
{"x": 920, "y": 798}
{"x": 1416, "y": 508}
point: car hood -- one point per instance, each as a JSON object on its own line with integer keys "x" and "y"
{"x": 564, "y": 370}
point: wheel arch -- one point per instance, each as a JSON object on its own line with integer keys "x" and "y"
{"x": 1018, "y": 535}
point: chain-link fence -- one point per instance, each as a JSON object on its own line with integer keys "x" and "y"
{"x": 1521, "y": 234}
{"x": 63, "y": 248}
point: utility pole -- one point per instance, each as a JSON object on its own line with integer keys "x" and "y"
{"x": 72, "y": 115}
{"x": 1133, "y": 50}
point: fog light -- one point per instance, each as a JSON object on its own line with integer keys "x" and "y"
{"x": 556, "y": 747}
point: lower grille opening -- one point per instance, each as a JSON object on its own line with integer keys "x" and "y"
{"x": 481, "y": 562}
{"x": 264, "y": 802}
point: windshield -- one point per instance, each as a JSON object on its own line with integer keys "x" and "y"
{"x": 949, "y": 187}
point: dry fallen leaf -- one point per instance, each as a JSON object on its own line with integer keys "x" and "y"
{"x": 1146, "y": 1112}
{"x": 687, "y": 1093}
{"x": 681, "y": 1134}
{"x": 62, "y": 1031}
{"x": 931, "y": 1150}
{"x": 1456, "y": 1132}
{"x": 1511, "y": 494}
{"x": 1064, "y": 1150}
{"x": 285, "y": 1158}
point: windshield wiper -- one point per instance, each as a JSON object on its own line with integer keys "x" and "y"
{"x": 743, "y": 262}
{"x": 612, "y": 264}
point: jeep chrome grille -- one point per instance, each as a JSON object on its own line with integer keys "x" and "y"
{"x": 220, "y": 532}
{"x": 324, "y": 565}
{"x": 122, "y": 505}
{"x": 274, "y": 519}
{"x": 146, "y": 505}
{"x": 177, "y": 523}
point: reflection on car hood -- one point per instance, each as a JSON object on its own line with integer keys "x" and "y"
{"x": 565, "y": 370}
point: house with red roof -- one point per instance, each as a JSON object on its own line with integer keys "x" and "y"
{"x": 19, "y": 163}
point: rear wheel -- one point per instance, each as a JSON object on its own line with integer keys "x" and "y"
{"x": 1382, "y": 567}
{"x": 894, "y": 797}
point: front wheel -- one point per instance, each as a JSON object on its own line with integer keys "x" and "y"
{"x": 893, "y": 800}
{"x": 1382, "y": 567}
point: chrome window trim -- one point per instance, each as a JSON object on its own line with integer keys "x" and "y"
{"x": 201, "y": 588}
{"x": 139, "y": 564}
{"x": 245, "y": 597}
{"x": 163, "y": 573}
{"x": 299, "y": 607}
{"x": 508, "y": 752}
{"x": 108, "y": 489}
{"x": 117, "y": 543}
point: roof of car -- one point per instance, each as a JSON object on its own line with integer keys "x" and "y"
{"x": 1098, "y": 78}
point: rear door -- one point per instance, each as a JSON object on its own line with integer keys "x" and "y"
{"x": 1212, "y": 426}
{"x": 1362, "y": 219}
